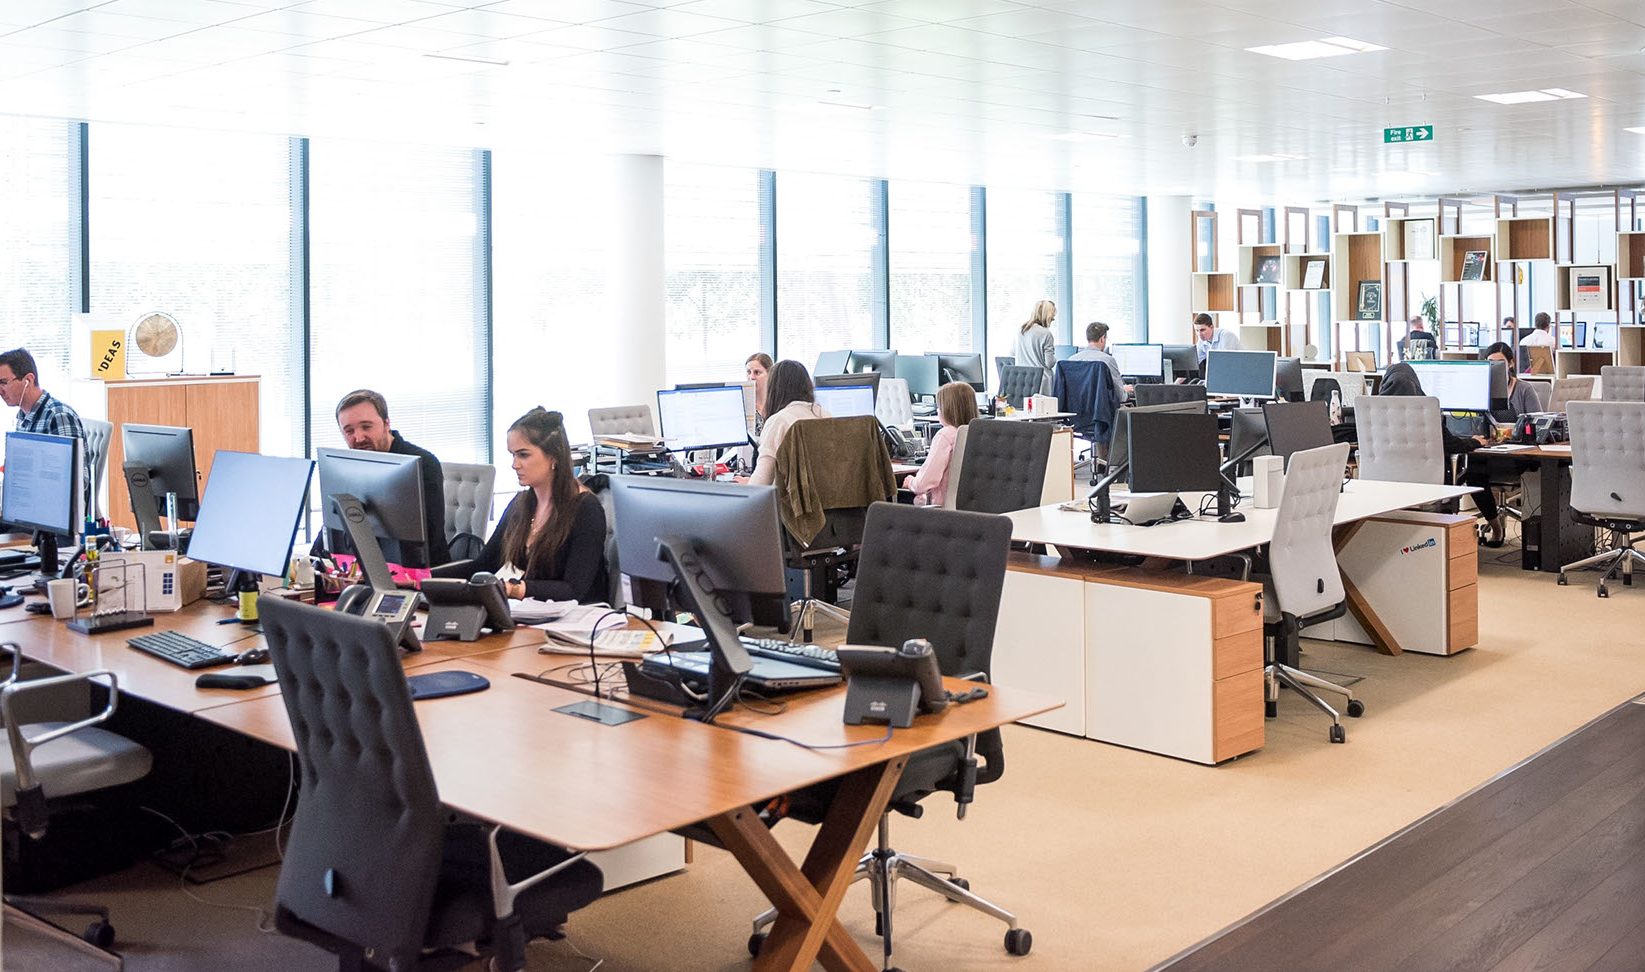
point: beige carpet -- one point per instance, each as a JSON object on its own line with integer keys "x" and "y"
{"x": 1114, "y": 859}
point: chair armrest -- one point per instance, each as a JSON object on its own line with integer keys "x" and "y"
{"x": 16, "y": 663}
{"x": 457, "y": 568}
{"x": 31, "y": 800}
{"x": 503, "y": 893}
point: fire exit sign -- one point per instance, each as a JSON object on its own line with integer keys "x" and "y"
{"x": 1410, "y": 133}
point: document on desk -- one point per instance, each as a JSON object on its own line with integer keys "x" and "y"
{"x": 1507, "y": 448}
{"x": 530, "y": 610}
{"x": 1565, "y": 448}
{"x": 625, "y": 643}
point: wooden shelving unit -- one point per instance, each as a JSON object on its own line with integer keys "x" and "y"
{"x": 1213, "y": 293}
{"x": 1630, "y": 255}
{"x": 1291, "y": 272}
{"x": 1525, "y": 238}
{"x": 1565, "y": 294}
{"x": 1452, "y": 250}
{"x": 1250, "y": 257}
{"x": 1355, "y": 257}
{"x": 1393, "y": 238}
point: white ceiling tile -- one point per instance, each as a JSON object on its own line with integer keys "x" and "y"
{"x": 376, "y": 11}
{"x": 218, "y": 45}
{"x": 762, "y": 38}
{"x": 590, "y": 37}
{"x": 69, "y": 40}
{"x": 848, "y": 23}
{"x": 120, "y": 25}
{"x": 941, "y": 11}
{"x": 755, "y": 11}
{"x": 311, "y": 26}
{"x": 414, "y": 37}
{"x": 668, "y": 23}
{"x": 1025, "y": 21}
{"x": 198, "y": 13}
{"x": 484, "y": 23}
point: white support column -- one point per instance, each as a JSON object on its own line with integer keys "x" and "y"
{"x": 634, "y": 280}
{"x": 1168, "y": 317}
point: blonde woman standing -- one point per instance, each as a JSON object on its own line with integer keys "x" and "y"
{"x": 1037, "y": 346}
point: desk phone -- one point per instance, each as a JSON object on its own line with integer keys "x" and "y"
{"x": 394, "y": 608}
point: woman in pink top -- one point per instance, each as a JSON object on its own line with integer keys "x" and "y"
{"x": 956, "y": 407}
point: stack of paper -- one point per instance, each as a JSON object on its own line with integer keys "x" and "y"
{"x": 532, "y": 611}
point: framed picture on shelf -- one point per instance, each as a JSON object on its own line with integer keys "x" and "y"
{"x": 1267, "y": 269}
{"x": 1419, "y": 239}
{"x": 1473, "y": 265}
{"x": 1368, "y": 301}
{"x": 1589, "y": 288}
{"x": 1313, "y": 273}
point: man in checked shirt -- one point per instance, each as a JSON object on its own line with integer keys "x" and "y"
{"x": 37, "y": 410}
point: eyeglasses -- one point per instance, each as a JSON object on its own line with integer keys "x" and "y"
{"x": 6, "y": 382}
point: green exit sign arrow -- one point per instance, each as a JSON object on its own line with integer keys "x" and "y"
{"x": 1410, "y": 133}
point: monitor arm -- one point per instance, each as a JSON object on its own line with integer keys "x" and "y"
{"x": 1104, "y": 511}
{"x": 143, "y": 507}
{"x": 373, "y": 566}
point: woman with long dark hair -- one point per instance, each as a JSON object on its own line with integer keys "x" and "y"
{"x": 789, "y": 398}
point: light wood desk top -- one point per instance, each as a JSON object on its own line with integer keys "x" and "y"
{"x": 504, "y": 755}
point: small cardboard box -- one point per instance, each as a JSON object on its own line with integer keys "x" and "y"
{"x": 171, "y": 582}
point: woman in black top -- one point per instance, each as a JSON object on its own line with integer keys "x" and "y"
{"x": 550, "y": 542}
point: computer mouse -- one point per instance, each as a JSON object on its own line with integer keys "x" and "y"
{"x": 9, "y": 599}
{"x": 252, "y": 656}
{"x": 1231, "y": 518}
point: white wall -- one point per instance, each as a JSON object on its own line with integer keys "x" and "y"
{"x": 1168, "y": 317}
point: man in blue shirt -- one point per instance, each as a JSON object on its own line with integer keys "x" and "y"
{"x": 1096, "y": 349}
{"x": 1213, "y": 338}
{"x": 37, "y": 410}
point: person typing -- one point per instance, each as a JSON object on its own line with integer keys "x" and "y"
{"x": 956, "y": 407}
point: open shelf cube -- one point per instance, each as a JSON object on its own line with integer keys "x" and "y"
{"x": 1396, "y": 230}
{"x": 1356, "y": 259}
{"x": 1213, "y": 293}
{"x": 1525, "y": 238}
{"x": 1598, "y": 291}
{"x": 1630, "y": 255}
{"x": 1251, "y": 256}
{"x": 1293, "y": 267}
{"x": 1454, "y": 249}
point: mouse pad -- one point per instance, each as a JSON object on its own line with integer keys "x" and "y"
{"x": 436, "y": 685}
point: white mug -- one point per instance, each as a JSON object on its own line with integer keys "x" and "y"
{"x": 64, "y": 595}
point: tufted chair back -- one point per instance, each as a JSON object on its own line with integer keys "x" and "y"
{"x": 1572, "y": 388}
{"x": 1622, "y": 383}
{"x": 468, "y": 490}
{"x": 1004, "y": 466}
{"x": 365, "y": 847}
{"x": 1168, "y": 394}
{"x": 894, "y": 405}
{"x": 621, "y": 419}
{"x": 98, "y": 434}
{"x": 1306, "y": 580}
{"x": 1608, "y": 459}
{"x": 1400, "y": 439}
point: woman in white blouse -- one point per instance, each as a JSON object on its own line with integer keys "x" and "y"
{"x": 789, "y": 398}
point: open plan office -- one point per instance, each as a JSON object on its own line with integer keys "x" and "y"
{"x": 970, "y": 484}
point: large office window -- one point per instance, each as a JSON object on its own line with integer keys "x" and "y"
{"x": 711, "y": 243}
{"x": 931, "y": 252}
{"x": 826, "y": 237}
{"x": 1108, "y": 266}
{"x": 38, "y": 210}
{"x": 552, "y": 253}
{"x": 198, "y": 225}
{"x": 398, "y": 286}
{"x": 1024, "y": 249}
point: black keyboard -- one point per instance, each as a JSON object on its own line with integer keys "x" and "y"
{"x": 180, "y": 650}
{"x": 811, "y": 656}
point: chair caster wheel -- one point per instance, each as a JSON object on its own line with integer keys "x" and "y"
{"x": 99, "y": 933}
{"x": 756, "y": 942}
{"x": 879, "y": 925}
{"x": 1339, "y": 734}
{"x": 1563, "y": 582}
{"x": 1018, "y": 941}
{"x": 1604, "y": 591}
{"x": 1356, "y": 708}
{"x": 960, "y": 883}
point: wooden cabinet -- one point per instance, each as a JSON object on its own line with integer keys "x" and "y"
{"x": 222, "y": 411}
{"x": 1414, "y": 582}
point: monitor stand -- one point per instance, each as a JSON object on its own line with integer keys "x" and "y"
{"x": 143, "y": 507}
{"x": 373, "y": 565}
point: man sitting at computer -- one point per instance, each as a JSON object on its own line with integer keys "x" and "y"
{"x": 1417, "y": 333}
{"x": 1212, "y": 337}
{"x": 1096, "y": 349}
{"x": 37, "y": 410}
{"x": 362, "y": 418}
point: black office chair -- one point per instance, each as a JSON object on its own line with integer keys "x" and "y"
{"x": 1323, "y": 387}
{"x": 1168, "y": 394}
{"x": 933, "y": 574}
{"x": 1001, "y": 362}
{"x": 373, "y": 871}
{"x": 1004, "y": 467}
{"x": 1018, "y": 382}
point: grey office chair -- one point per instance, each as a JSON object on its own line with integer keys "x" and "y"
{"x": 1400, "y": 439}
{"x": 373, "y": 867}
{"x": 937, "y": 575}
{"x": 1001, "y": 362}
{"x": 468, "y": 489}
{"x": 98, "y": 434}
{"x": 1168, "y": 394}
{"x": 1018, "y": 382}
{"x": 894, "y": 406}
{"x": 956, "y": 468}
{"x": 1574, "y": 388}
{"x": 46, "y": 762}
{"x": 621, "y": 419}
{"x": 1544, "y": 392}
{"x": 1004, "y": 466}
{"x": 1622, "y": 383}
{"x": 1608, "y": 482}
{"x": 1304, "y": 585}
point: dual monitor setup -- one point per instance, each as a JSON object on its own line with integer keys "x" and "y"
{"x": 925, "y": 373}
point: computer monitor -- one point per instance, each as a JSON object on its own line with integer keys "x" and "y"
{"x": 1139, "y": 360}
{"x": 1174, "y": 453}
{"x": 880, "y": 360}
{"x": 921, "y": 373}
{"x": 1164, "y": 394}
{"x": 1460, "y": 386}
{"x": 383, "y": 520}
{"x": 1288, "y": 379}
{"x": 702, "y": 418}
{"x": 869, "y": 378}
{"x": 1604, "y": 336}
{"x": 1184, "y": 360}
{"x": 1581, "y": 335}
{"x": 1247, "y": 438}
{"x": 832, "y": 363}
{"x": 1499, "y": 383}
{"x": 1297, "y": 426}
{"x": 960, "y": 367}
{"x": 1248, "y": 374}
{"x": 733, "y": 534}
{"x": 43, "y": 490}
{"x": 844, "y": 401}
{"x": 249, "y": 516}
{"x": 686, "y": 385}
{"x": 159, "y": 459}
{"x": 1119, "y": 447}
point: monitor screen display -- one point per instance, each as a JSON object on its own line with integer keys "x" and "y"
{"x": 702, "y": 418}
{"x": 249, "y": 516}
{"x": 921, "y": 373}
{"x": 1297, "y": 426}
{"x": 1173, "y": 452}
{"x": 1460, "y": 386}
{"x": 42, "y": 482}
{"x": 1604, "y": 337}
{"x": 1248, "y": 374}
{"x": 831, "y": 363}
{"x": 844, "y": 401}
{"x": 1140, "y": 360}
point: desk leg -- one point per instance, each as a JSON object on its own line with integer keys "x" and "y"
{"x": 1552, "y": 513}
{"x": 807, "y": 898}
{"x": 1358, "y": 604}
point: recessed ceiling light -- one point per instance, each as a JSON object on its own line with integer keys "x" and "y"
{"x": 1324, "y": 47}
{"x": 1084, "y": 136}
{"x": 1526, "y": 97}
{"x": 471, "y": 58}
{"x": 1269, "y": 158}
{"x": 1636, "y": 131}
{"x": 826, "y": 103}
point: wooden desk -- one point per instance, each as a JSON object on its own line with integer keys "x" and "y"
{"x": 1559, "y": 540}
{"x": 504, "y": 755}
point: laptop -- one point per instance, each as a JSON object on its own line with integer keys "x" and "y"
{"x": 768, "y": 675}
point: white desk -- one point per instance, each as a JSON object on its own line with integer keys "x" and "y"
{"x": 1021, "y": 416}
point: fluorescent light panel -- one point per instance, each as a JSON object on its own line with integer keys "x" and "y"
{"x": 1308, "y": 50}
{"x": 1636, "y": 131}
{"x": 1269, "y": 158}
{"x": 1526, "y": 97}
{"x": 1084, "y": 136}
